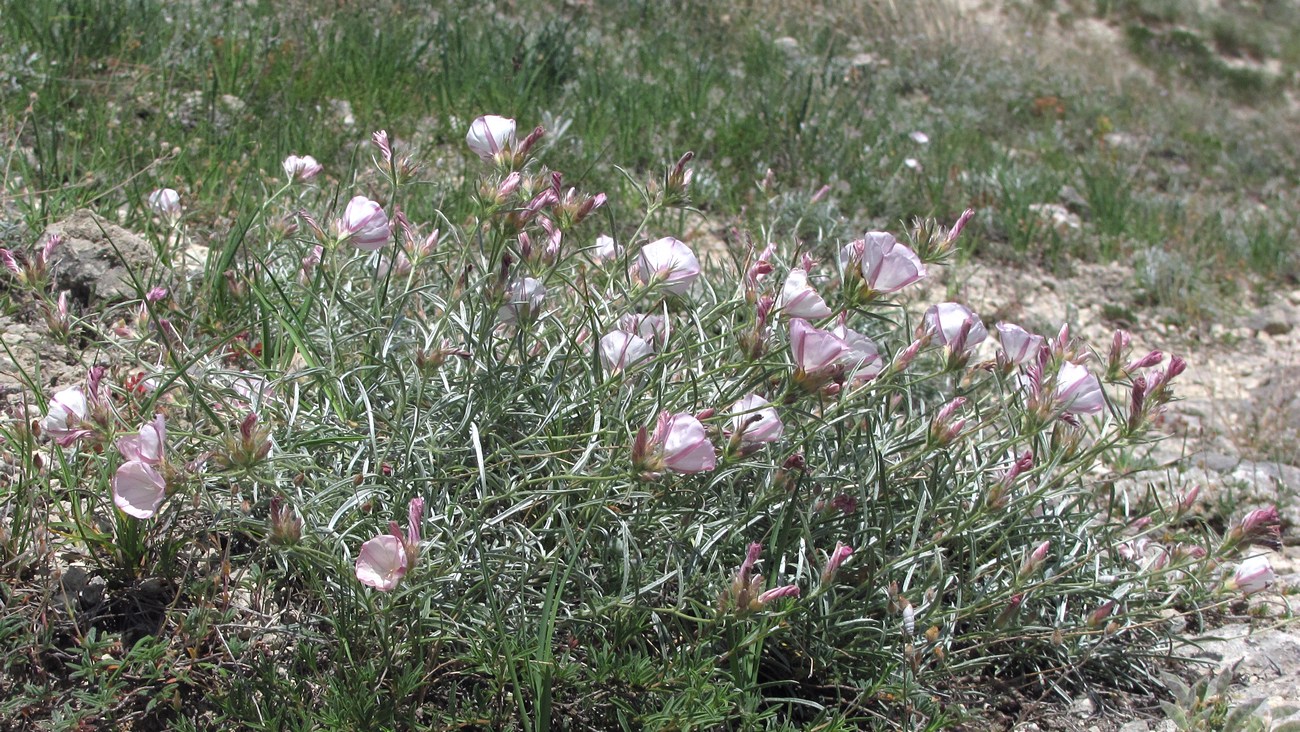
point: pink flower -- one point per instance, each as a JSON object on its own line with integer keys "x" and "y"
{"x": 67, "y": 409}
{"x": 523, "y": 301}
{"x": 955, "y": 326}
{"x": 385, "y": 559}
{"x": 682, "y": 445}
{"x": 653, "y": 329}
{"x": 606, "y": 250}
{"x": 754, "y": 422}
{"x": 148, "y": 446}
{"x": 490, "y": 135}
{"x": 1018, "y": 344}
{"x": 799, "y": 300}
{"x": 888, "y": 266}
{"x": 301, "y": 169}
{"x": 166, "y": 203}
{"x": 365, "y": 224}
{"x": 815, "y": 351}
{"x": 1077, "y": 391}
{"x": 138, "y": 489}
{"x": 861, "y": 360}
{"x": 382, "y": 562}
{"x": 668, "y": 262}
{"x": 1253, "y": 575}
{"x": 620, "y": 350}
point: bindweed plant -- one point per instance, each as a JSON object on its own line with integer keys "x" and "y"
{"x": 642, "y": 488}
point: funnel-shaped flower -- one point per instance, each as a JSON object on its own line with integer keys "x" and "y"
{"x": 301, "y": 169}
{"x": 955, "y": 326}
{"x": 138, "y": 489}
{"x": 523, "y": 301}
{"x": 888, "y": 266}
{"x": 1077, "y": 391}
{"x": 365, "y": 224}
{"x": 799, "y": 300}
{"x": 67, "y": 410}
{"x": 148, "y": 445}
{"x": 816, "y": 352}
{"x": 1018, "y": 344}
{"x": 653, "y": 329}
{"x": 382, "y": 562}
{"x": 861, "y": 360}
{"x": 754, "y": 422}
{"x": 620, "y": 350}
{"x": 606, "y": 249}
{"x": 385, "y": 559}
{"x": 1253, "y": 575}
{"x": 166, "y": 203}
{"x": 491, "y": 135}
{"x": 686, "y": 446}
{"x": 667, "y": 262}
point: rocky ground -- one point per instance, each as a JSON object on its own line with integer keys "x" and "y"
{"x": 1235, "y": 433}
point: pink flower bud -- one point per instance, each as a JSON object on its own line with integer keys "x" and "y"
{"x": 837, "y": 557}
{"x": 309, "y": 263}
{"x": 11, "y": 264}
{"x": 1151, "y": 359}
{"x": 1098, "y": 616}
{"x": 776, "y": 593}
{"x": 508, "y": 186}
{"x": 415, "y": 516}
{"x": 1034, "y": 560}
{"x": 944, "y": 429}
{"x": 1262, "y": 527}
{"x": 958, "y": 227}
{"x": 1188, "y": 500}
{"x": 286, "y": 522}
{"x": 138, "y": 489}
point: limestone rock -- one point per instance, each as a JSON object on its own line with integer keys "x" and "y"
{"x": 100, "y": 261}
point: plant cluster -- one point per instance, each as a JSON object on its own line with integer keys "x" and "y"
{"x": 643, "y": 488}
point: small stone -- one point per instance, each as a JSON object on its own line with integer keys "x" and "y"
{"x": 1136, "y": 725}
{"x": 1082, "y": 707}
